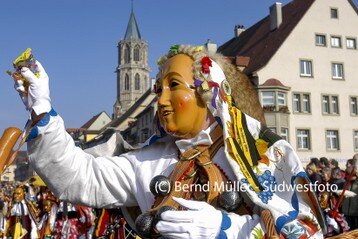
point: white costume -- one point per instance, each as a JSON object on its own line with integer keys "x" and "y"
{"x": 109, "y": 181}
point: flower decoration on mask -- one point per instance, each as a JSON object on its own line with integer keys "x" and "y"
{"x": 205, "y": 65}
{"x": 205, "y": 87}
{"x": 174, "y": 49}
{"x": 199, "y": 49}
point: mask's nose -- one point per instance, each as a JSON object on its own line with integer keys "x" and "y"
{"x": 164, "y": 97}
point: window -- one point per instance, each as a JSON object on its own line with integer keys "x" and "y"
{"x": 354, "y": 107}
{"x": 351, "y": 43}
{"x": 330, "y": 104}
{"x": 284, "y": 133}
{"x": 268, "y": 98}
{"x": 335, "y": 108}
{"x": 325, "y": 104}
{"x": 274, "y": 101}
{"x": 337, "y": 71}
{"x": 296, "y": 103}
{"x": 126, "y": 82}
{"x": 137, "y": 82}
{"x": 305, "y": 68}
{"x": 136, "y": 54}
{"x": 281, "y": 99}
{"x": 320, "y": 40}
{"x": 334, "y": 13}
{"x": 303, "y": 139}
{"x": 306, "y": 105}
{"x": 301, "y": 103}
{"x": 355, "y": 140}
{"x": 336, "y": 41}
{"x": 127, "y": 57}
{"x": 332, "y": 140}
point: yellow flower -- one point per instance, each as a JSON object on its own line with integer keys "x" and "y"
{"x": 198, "y": 49}
{"x": 261, "y": 146}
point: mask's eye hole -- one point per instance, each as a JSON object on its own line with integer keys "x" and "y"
{"x": 158, "y": 90}
{"x": 173, "y": 84}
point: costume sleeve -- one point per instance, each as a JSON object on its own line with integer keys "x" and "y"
{"x": 252, "y": 227}
{"x": 75, "y": 175}
{"x": 243, "y": 226}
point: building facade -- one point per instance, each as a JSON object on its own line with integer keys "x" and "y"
{"x": 303, "y": 59}
{"x": 132, "y": 70}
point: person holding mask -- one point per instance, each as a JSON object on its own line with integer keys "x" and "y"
{"x": 203, "y": 138}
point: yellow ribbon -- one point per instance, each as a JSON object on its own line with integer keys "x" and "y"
{"x": 242, "y": 165}
{"x": 236, "y": 117}
{"x": 237, "y": 132}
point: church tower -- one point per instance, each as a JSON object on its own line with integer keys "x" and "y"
{"x": 132, "y": 70}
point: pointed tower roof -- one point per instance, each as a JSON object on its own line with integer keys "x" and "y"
{"x": 132, "y": 32}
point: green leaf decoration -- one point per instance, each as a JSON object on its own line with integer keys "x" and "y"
{"x": 174, "y": 49}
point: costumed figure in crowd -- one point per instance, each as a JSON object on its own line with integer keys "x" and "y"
{"x": 72, "y": 221}
{"x": 20, "y": 221}
{"x": 211, "y": 171}
{"x": 3, "y": 213}
{"x": 350, "y": 204}
{"x": 328, "y": 202}
{"x": 47, "y": 225}
{"x": 110, "y": 224}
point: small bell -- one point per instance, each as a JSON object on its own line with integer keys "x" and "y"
{"x": 230, "y": 200}
{"x": 164, "y": 209}
{"x": 144, "y": 225}
{"x": 160, "y": 185}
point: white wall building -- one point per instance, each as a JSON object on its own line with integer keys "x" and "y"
{"x": 303, "y": 59}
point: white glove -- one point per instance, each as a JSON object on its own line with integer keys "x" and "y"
{"x": 19, "y": 87}
{"x": 38, "y": 97}
{"x": 201, "y": 220}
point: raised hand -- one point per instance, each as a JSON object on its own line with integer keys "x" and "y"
{"x": 37, "y": 97}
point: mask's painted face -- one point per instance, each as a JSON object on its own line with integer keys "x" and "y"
{"x": 47, "y": 206}
{"x": 181, "y": 112}
{"x": 18, "y": 195}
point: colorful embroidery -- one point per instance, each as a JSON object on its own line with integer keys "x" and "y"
{"x": 268, "y": 182}
{"x": 293, "y": 230}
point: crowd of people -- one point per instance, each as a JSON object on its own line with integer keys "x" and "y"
{"x": 336, "y": 191}
{"x": 33, "y": 212}
{"x": 30, "y": 210}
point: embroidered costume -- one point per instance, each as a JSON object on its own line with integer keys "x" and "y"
{"x": 248, "y": 155}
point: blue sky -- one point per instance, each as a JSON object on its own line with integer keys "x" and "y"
{"x": 76, "y": 41}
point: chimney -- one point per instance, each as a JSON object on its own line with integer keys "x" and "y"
{"x": 239, "y": 29}
{"x": 212, "y": 47}
{"x": 275, "y": 16}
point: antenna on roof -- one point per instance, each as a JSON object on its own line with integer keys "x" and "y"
{"x": 132, "y": 5}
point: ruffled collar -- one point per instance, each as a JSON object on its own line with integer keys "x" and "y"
{"x": 202, "y": 138}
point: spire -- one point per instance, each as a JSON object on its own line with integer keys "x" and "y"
{"x": 132, "y": 32}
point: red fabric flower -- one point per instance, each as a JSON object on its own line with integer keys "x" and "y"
{"x": 205, "y": 64}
